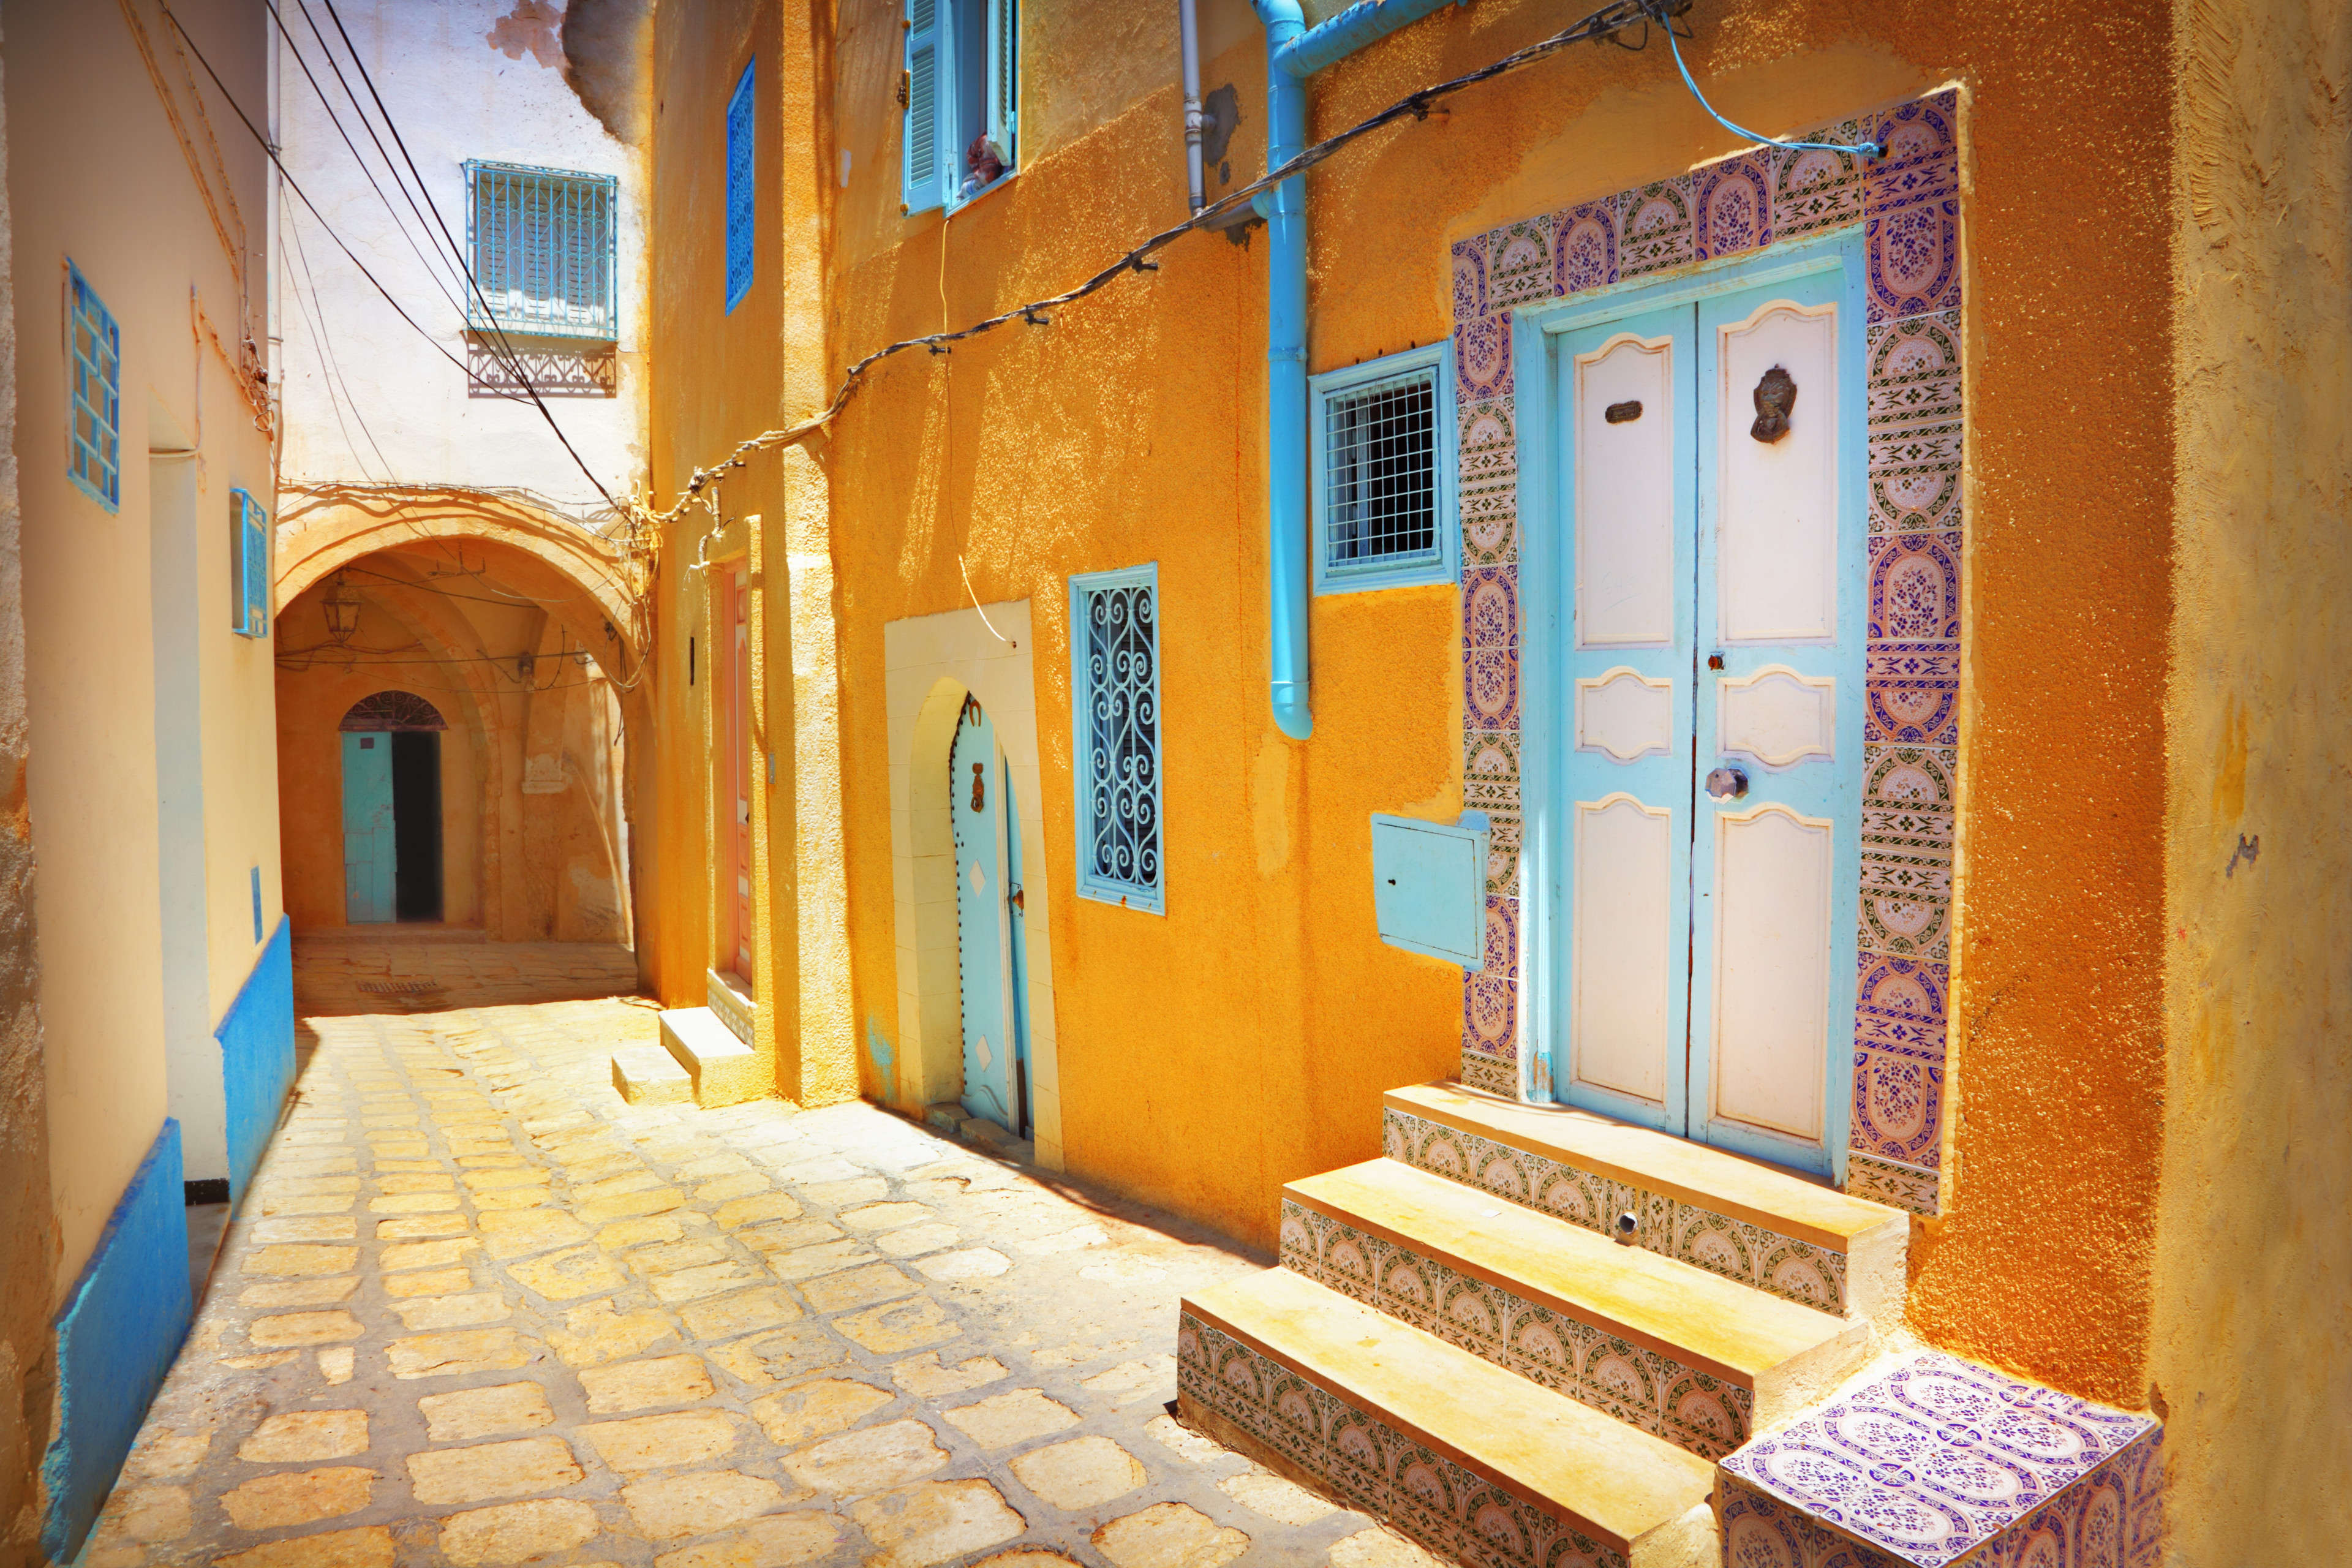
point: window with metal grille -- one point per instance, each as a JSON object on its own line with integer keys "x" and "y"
{"x": 1115, "y": 691}
{"x": 248, "y": 533}
{"x": 94, "y": 429}
{"x": 1382, "y": 451}
{"x": 742, "y": 204}
{"x": 542, "y": 241}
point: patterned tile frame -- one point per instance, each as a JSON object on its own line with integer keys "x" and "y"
{"x": 1943, "y": 1464}
{"x": 1630, "y": 1383}
{"x": 1908, "y": 206}
{"x": 1359, "y": 1457}
{"x": 1784, "y": 1266}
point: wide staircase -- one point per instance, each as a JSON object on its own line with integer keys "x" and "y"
{"x": 1526, "y": 1335}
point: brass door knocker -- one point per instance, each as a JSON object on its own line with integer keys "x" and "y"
{"x": 1776, "y": 399}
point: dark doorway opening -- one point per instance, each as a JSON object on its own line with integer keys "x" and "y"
{"x": 416, "y": 824}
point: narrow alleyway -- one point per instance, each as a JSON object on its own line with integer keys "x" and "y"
{"x": 479, "y": 1310}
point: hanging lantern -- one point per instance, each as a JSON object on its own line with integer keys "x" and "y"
{"x": 342, "y": 607}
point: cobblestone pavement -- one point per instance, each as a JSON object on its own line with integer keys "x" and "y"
{"x": 477, "y": 1311}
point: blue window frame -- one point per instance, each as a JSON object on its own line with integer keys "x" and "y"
{"x": 742, "y": 207}
{"x": 1381, "y": 454}
{"x": 248, "y": 533}
{"x": 1115, "y": 709}
{"x": 542, "y": 243}
{"x": 962, "y": 94}
{"x": 94, "y": 420}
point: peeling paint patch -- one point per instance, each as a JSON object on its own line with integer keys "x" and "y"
{"x": 530, "y": 28}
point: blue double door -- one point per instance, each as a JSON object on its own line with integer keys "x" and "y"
{"x": 991, "y": 947}
{"x": 1713, "y": 555}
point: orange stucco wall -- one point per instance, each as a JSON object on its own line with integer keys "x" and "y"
{"x": 1244, "y": 1039}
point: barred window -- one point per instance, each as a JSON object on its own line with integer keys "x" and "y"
{"x": 1115, "y": 688}
{"x": 1383, "y": 483}
{"x": 742, "y": 194}
{"x": 94, "y": 429}
{"x": 543, "y": 242}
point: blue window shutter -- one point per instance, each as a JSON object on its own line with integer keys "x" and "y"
{"x": 743, "y": 138}
{"x": 927, "y": 85}
{"x": 1004, "y": 78}
{"x": 250, "y": 565}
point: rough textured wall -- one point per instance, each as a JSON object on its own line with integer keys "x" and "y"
{"x": 28, "y": 1242}
{"x": 2254, "y": 1258}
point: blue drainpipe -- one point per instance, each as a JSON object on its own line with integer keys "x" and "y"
{"x": 1295, "y": 52}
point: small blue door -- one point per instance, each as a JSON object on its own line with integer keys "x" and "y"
{"x": 976, "y": 795}
{"x": 368, "y": 851}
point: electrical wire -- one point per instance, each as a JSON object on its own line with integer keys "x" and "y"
{"x": 328, "y": 363}
{"x": 1603, "y": 24}
{"x": 1860, "y": 149}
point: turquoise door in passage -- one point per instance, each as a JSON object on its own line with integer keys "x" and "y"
{"x": 368, "y": 851}
{"x": 975, "y": 790}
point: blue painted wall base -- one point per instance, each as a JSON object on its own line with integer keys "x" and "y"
{"x": 256, "y": 1042}
{"x": 125, "y": 1320}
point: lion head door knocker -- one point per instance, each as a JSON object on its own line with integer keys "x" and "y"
{"x": 979, "y": 789}
{"x": 1776, "y": 399}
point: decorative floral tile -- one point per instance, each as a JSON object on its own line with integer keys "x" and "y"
{"x": 1653, "y": 228}
{"x": 1813, "y": 191}
{"x": 1491, "y": 1075}
{"x": 1920, "y": 165}
{"x": 1584, "y": 247}
{"x": 1518, "y": 263}
{"x": 1906, "y": 861}
{"x": 1734, "y": 204}
{"x": 1490, "y": 525}
{"x": 1941, "y": 1456}
{"x": 1470, "y": 278}
{"x": 1898, "y": 1101}
{"x": 1795, "y": 1270}
{"x": 1899, "y": 1006}
{"x": 1487, "y": 447}
{"x": 1490, "y": 1013}
{"x": 1491, "y": 770}
{"x": 1490, "y": 607}
{"x": 1914, "y": 588}
{"x": 1482, "y": 359}
{"x": 1502, "y": 937}
{"x": 1372, "y": 1465}
{"x": 1907, "y": 902}
{"x": 1896, "y": 1185}
{"x": 1913, "y": 259}
{"x": 1915, "y": 427}
{"x": 1912, "y": 693}
{"x": 1490, "y": 688}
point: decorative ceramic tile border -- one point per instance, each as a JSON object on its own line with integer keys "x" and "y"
{"x": 1800, "y": 1272}
{"x": 1630, "y": 1383}
{"x": 1942, "y": 1463}
{"x": 1460, "y": 1516}
{"x": 1908, "y": 206}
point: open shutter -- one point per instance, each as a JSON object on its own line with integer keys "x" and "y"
{"x": 1004, "y": 77}
{"x": 249, "y": 535}
{"x": 743, "y": 138}
{"x": 927, "y": 80}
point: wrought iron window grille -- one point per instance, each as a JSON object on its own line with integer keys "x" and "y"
{"x": 543, "y": 242}
{"x": 1382, "y": 465}
{"x": 1115, "y": 654}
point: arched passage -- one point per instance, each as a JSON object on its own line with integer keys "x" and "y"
{"x": 520, "y": 629}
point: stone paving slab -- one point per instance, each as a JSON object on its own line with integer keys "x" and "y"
{"x": 479, "y": 1310}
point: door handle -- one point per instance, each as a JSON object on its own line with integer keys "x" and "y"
{"x": 1017, "y": 900}
{"x": 1727, "y": 783}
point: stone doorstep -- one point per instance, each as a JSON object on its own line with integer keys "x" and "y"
{"x": 649, "y": 1075}
{"x": 1679, "y": 1191}
{"x": 1459, "y": 1445}
{"x": 724, "y": 1070}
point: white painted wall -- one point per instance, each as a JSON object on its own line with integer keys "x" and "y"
{"x": 367, "y": 398}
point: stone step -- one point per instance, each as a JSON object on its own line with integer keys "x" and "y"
{"x": 1477, "y": 1464}
{"x": 1783, "y": 1233}
{"x": 724, "y": 1069}
{"x": 649, "y": 1075}
{"x": 1679, "y": 1352}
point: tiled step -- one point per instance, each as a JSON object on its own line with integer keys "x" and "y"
{"x": 724, "y": 1069}
{"x": 1477, "y": 1464}
{"x": 1761, "y": 1226}
{"x": 649, "y": 1075}
{"x": 1680, "y": 1352}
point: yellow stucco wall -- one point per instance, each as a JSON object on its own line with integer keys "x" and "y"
{"x": 2253, "y": 1257}
{"x": 1244, "y": 1039}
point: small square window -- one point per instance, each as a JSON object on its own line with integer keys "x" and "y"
{"x": 542, "y": 246}
{"x": 1382, "y": 455}
{"x": 1115, "y": 710}
{"x": 94, "y": 353}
